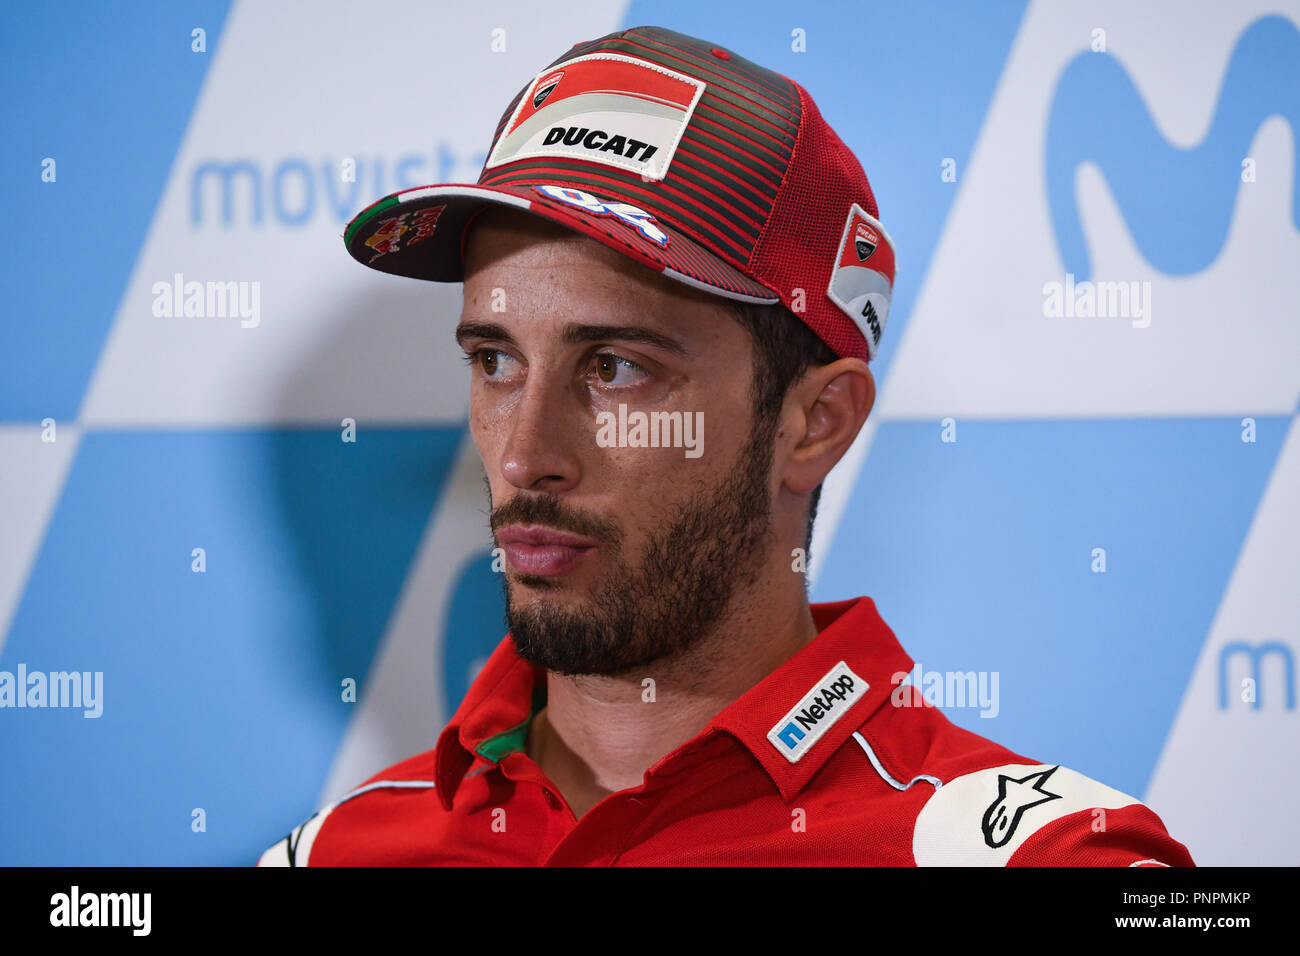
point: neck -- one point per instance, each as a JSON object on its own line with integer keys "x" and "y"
{"x": 597, "y": 735}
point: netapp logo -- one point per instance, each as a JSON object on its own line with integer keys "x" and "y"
{"x": 828, "y": 701}
{"x": 598, "y": 139}
{"x": 824, "y": 702}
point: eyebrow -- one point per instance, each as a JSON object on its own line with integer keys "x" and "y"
{"x": 576, "y": 334}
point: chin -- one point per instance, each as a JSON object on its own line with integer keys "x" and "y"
{"x": 548, "y": 588}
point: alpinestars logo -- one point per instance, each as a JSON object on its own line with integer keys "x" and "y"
{"x": 810, "y": 719}
{"x": 1014, "y": 798}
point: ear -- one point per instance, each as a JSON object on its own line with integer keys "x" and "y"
{"x": 824, "y": 411}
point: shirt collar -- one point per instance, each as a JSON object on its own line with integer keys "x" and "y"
{"x": 849, "y": 632}
{"x": 492, "y": 720}
{"x": 495, "y": 715}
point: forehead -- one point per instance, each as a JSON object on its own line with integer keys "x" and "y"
{"x": 504, "y": 232}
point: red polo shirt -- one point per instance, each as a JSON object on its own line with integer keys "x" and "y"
{"x": 827, "y": 760}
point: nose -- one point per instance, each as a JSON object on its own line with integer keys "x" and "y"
{"x": 539, "y": 453}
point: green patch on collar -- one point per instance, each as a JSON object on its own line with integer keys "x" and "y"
{"x": 508, "y": 741}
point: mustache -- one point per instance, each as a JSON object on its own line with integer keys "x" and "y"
{"x": 547, "y": 509}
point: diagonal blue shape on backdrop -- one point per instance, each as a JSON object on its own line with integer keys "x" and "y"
{"x": 222, "y": 690}
{"x": 979, "y": 554}
{"x": 106, "y": 91}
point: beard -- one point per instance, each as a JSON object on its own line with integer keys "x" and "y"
{"x": 667, "y": 602}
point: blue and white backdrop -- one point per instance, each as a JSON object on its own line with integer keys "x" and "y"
{"x": 1081, "y": 482}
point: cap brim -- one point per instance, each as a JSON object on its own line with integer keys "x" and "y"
{"x": 421, "y": 233}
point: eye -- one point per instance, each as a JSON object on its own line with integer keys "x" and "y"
{"x": 608, "y": 366}
{"x": 491, "y": 361}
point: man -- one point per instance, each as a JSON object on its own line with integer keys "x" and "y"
{"x": 675, "y": 278}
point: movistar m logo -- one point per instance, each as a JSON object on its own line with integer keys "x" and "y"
{"x": 1177, "y": 203}
{"x": 828, "y": 701}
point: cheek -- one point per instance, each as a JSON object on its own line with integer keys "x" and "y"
{"x": 487, "y": 426}
{"x": 491, "y": 404}
{"x": 640, "y": 485}
{"x": 656, "y": 481}
{"x": 716, "y": 428}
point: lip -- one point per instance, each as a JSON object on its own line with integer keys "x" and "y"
{"x": 533, "y": 549}
{"x": 541, "y": 535}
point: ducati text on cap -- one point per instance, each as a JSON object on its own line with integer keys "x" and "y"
{"x": 605, "y": 108}
{"x": 828, "y": 701}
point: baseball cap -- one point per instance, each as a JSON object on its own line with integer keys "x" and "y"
{"x": 687, "y": 158}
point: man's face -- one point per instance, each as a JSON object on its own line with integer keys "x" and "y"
{"x": 615, "y": 556}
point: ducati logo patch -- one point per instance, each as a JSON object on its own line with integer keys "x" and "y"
{"x": 862, "y": 277}
{"x": 615, "y": 109}
{"x": 544, "y": 88}
{"x": 865, "y": 241}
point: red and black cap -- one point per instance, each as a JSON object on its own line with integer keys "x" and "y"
{"x": 684, "y": 156}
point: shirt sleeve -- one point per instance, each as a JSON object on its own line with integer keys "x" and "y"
{"x": 1132, "y": 835}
